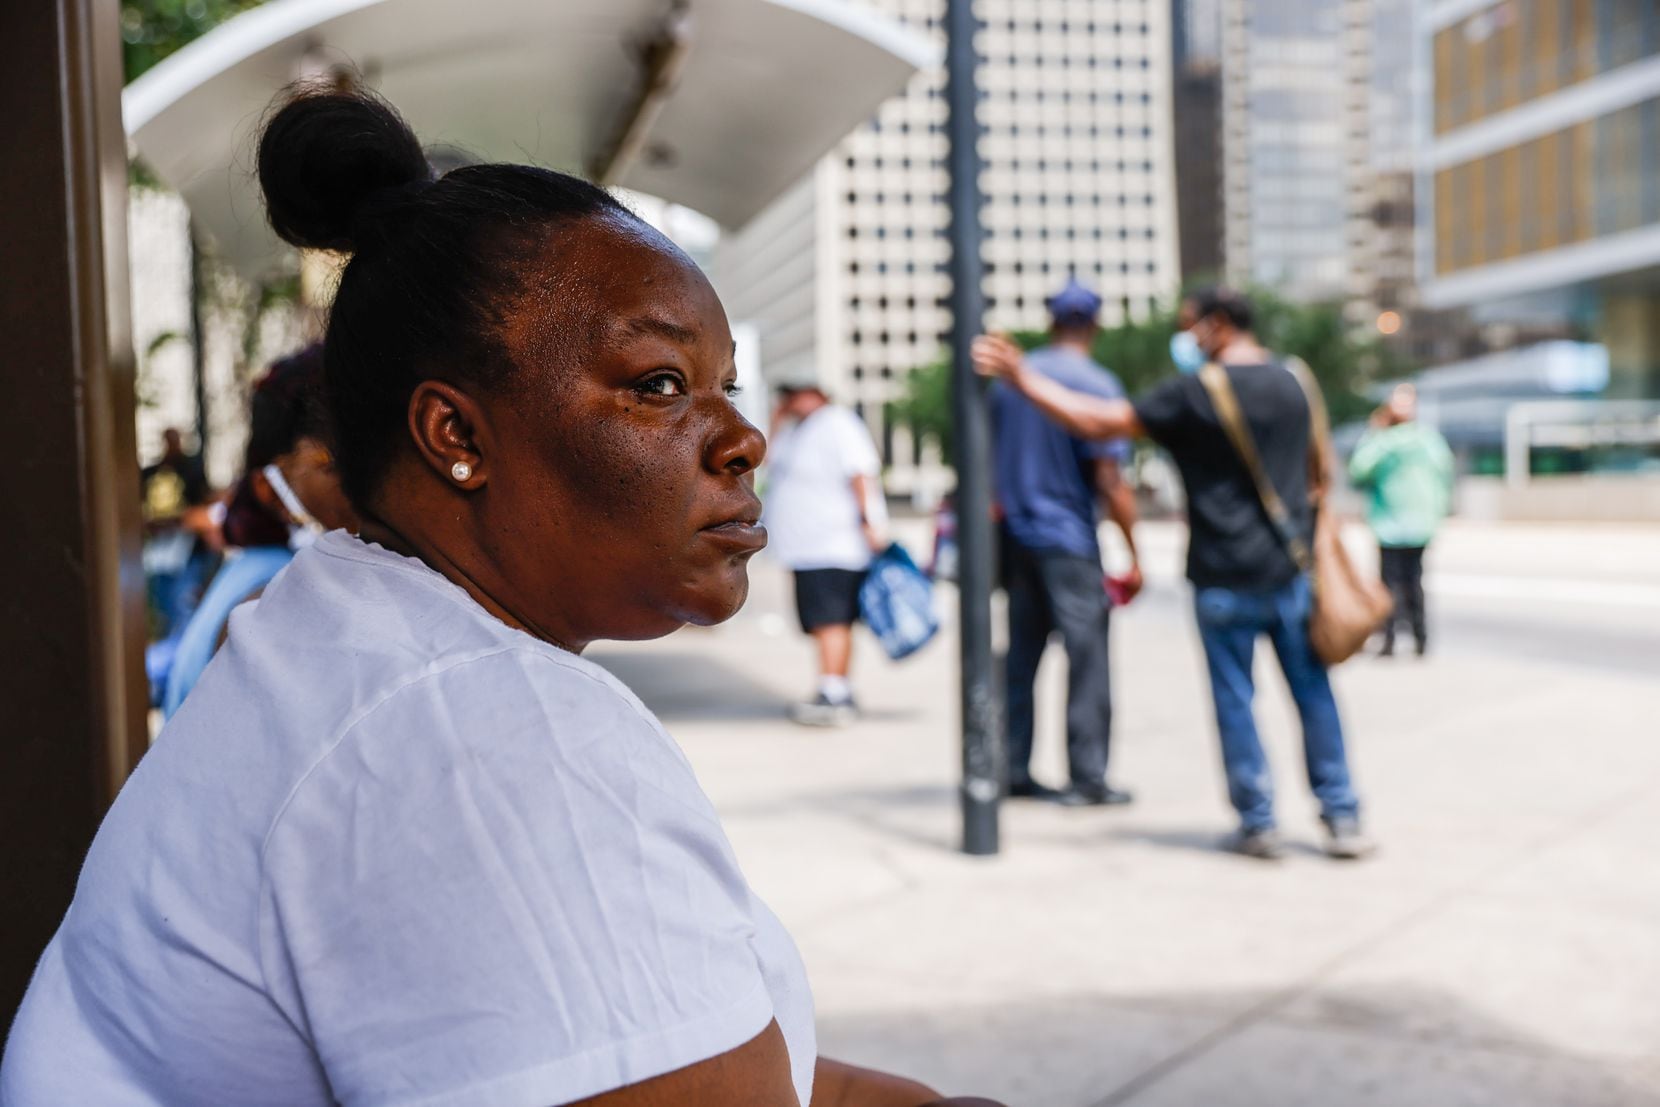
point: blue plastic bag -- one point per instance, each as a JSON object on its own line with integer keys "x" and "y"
{"x": 897, "y": 603}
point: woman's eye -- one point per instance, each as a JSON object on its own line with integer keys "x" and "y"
{"x": 665, "y": 385}
{"x": 733, "y": 390}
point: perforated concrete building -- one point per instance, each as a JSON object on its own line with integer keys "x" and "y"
{"x": 845, "y": 277}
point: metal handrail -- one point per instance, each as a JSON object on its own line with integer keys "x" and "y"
{"x": 1610, "y": 423}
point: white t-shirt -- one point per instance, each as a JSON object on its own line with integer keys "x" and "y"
{"x": 812, "y": 516}
{"x": 392, "y": 851}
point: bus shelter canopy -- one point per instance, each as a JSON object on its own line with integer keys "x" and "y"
{"x": 718, "y": 105}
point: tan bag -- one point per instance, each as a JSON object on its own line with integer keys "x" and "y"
{"x": 1348, "y": 605}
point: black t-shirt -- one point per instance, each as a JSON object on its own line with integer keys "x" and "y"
{"x": 171, "y": 485}
{"x": 1233, "y": 545}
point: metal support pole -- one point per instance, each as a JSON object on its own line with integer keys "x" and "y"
{"x": 198, "y": 345}
{"x": 982, "y": 715}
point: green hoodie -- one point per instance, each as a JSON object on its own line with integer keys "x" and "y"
{"x": 1408, "y": 470}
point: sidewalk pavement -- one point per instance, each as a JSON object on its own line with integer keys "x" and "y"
{"x": 1504, "y": 948}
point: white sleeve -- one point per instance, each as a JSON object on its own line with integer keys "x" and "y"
{"x": 856, "y": 451}
{"x": 503, "y": 886}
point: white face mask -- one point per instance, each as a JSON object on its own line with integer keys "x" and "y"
{"x": 305, "y": 529}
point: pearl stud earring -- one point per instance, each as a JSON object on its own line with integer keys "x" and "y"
{"x": 461, "y": 471}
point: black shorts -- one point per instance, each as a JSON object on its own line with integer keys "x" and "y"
{"x": 827, "y": 597}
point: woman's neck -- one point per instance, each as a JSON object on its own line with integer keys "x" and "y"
{"x": 377, "y": 530}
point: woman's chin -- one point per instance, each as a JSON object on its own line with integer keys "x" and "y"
{"x": 717, "y": 599}
{"x": 706, "y": 604}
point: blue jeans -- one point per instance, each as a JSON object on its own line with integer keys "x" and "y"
{"x": 1229, "y": 624}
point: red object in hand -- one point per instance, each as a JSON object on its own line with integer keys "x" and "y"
{"x": 1118, "y": 590}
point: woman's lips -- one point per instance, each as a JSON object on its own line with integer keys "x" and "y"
{"x": 738, "y": 535}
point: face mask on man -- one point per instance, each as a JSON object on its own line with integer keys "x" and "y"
{"x": 1186, "y": 352}
{"x": 1187, "y": 347}
{"x": 304, "y": 529}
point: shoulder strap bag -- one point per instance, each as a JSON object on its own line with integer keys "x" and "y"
{"x": 1348, "y": 604}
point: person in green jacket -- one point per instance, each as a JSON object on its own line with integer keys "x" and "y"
{"x": 1408, "y": 471}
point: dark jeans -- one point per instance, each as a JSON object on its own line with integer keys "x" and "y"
{"x": 1229, "y": 624}
{"x": 1403, "y": 572}
{"x": 1051, "y": 592}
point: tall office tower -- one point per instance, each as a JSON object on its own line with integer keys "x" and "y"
{"x": 1397, "y": 73}
{"x": 1542, "y": 169}
{"x": 1298, "y": 181}
{"x": 845, "y": 277}
{"x": 1196, "y": 100}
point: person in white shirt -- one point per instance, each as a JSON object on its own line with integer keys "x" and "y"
{"x": 402, "y": 845}
{"x": 827, "y": 520}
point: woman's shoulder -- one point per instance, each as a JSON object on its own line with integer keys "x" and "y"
{"x": 521, "y": 742}
{"x": 503, "y": 693}
{"x": 396, "y": 662}
{"x": 526, "y": 737}
{"x": 510, "y": 676}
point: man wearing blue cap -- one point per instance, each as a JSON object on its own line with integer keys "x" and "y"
{"x": 1248, "y": 581}
{"x": 1049, "y": 488}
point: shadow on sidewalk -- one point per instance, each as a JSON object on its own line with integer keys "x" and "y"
{"x": 687, "y": 685}
{"x": 1376, "y": 1046}
{"x": 914, "y": 813}
{"x": 691, "y": 684}
{"x": 1212, "y": 839}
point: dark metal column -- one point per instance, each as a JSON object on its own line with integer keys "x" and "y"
{"x": 72, "y": 606}
{"x": 198, "y": 345}
{"x": 982, "y": 714}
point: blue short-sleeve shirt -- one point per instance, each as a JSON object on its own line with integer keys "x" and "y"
{"x": 1045, "y": 478}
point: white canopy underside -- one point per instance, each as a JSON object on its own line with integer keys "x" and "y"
{"x": 766, "y": 87}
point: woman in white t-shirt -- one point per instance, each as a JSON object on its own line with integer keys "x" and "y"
{"x": 402, "y": 845}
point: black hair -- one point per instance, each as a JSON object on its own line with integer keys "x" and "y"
{"x": 433, "y": 261}
{"x": 1231, "y": 304}
{"x": 1074, "y": 321}
{"x": 285, "y": 407}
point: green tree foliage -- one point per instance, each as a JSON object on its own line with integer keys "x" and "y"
{"x": 1344, "y": 364}
{"x": 1139, "y": 353}
{"x": 153, "y": 29}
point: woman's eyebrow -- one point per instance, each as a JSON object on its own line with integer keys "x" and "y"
{"x": 648, "y": 324}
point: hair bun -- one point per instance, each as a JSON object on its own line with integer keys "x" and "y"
{"x": 325, "y": 155}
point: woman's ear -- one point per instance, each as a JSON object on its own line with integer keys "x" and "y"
{"x": 451, "y": 433}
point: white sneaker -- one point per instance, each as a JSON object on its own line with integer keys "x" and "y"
{"x": 1345, "y": 841}
{"x": 1264, "y": 844}
{"x": 823, "y": 711}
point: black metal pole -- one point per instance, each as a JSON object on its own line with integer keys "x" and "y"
{"x": 198, "y": 345}
{"x": 982, "y": 715}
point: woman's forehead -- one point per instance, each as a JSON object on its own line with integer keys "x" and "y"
{"x": 611, "y": 279}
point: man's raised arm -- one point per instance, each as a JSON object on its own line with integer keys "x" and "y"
{"x": 1081, "y": 414}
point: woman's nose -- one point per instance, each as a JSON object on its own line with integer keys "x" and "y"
{"x": 736, "y": 446}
